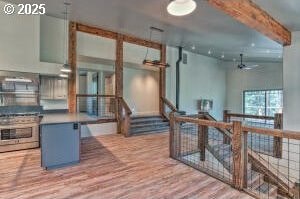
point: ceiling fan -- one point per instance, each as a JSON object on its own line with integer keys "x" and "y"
{"x": 244, "y": 66}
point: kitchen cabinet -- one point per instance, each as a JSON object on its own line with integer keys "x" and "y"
{"x": 60, "y": 144}
{"x": 53, "y": 88}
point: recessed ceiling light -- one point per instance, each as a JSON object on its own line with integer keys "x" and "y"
{"x": 193, "y": 47}
{"x": 253, "y": 44}
{"x": 223, "y": 56}
{"x": 181, "y": 7}
{"x": 209, "y": 52}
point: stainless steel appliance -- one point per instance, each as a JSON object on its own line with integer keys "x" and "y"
{"x": 19, "y": 131}
{"x": 19, "y": 111}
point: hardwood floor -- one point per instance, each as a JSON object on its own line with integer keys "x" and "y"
{"x": 111, "y": 167}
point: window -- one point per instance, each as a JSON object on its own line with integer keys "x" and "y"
{"x": 264, "y": 102}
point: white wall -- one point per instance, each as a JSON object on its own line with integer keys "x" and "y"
{"x": 141, "y": 84}
{"x": 291, "y": 84}
{"x": 201, "y": 78}
{"x": 265, "y": 76}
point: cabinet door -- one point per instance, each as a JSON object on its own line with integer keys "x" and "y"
{"x": 46, "y": 90}
{"x": 60, "y": 88}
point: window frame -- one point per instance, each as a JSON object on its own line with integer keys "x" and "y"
{"x": 265, "y": 92}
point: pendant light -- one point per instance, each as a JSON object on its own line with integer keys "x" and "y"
{"x": 181, "y": 7}
{"x": 156, "y": 63}
{"x": 66, "y": 67}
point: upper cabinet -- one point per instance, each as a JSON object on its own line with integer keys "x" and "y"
{"x": 53, "y": 88}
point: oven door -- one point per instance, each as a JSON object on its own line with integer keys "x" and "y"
{"x": 19, "y": 134}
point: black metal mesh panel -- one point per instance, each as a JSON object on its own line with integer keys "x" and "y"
{"x": 215, "y": 160}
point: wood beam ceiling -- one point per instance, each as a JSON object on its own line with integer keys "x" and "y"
{"x": 248, "y": 13}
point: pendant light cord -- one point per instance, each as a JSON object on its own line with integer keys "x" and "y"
{"x": 147, "y": 47}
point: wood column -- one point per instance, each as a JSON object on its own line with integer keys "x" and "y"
{"x": 278, "y": 124}
{"x": 202, "y": 140}
{"x": 171, "y": 137}
{"x": 238, "y": 156}
{"x": 119, "y": 79}
{"x": 226, "y": 119}
{"x": 73, "y": 64}
{"x": 162, "y": 78}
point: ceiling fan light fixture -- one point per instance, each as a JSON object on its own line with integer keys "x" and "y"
{"x": 181, "y": 7}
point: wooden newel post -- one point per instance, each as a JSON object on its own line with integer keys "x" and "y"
{"x": 278, "y": 124}
{"x": 171, "y": 137}
{"x": 202, "y": 140}
{"x": 238, "y": 156}
{"x": 226, "y": 119}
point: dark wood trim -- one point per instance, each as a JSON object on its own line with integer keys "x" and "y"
{"x": 162, "y": 78}
{"x": 91, "y": 95}
{"x": 251, "y": 15}
{"x": 96, "y": 31}
{"x": 119, "y": 79}
{"x": 142, "y": 42}
{"x": 73, "y": 64}
{"x": 277, "y": 146}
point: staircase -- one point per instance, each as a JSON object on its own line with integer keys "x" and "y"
{"x": 141, "y": 125}
{"x": 257, "y": 182}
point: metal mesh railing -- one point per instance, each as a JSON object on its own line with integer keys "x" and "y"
{"x": 203, "y": 148}
{"x": 99, "y": 106}
{"x": 198, "y": 141}
{"x": 273, "y": 176}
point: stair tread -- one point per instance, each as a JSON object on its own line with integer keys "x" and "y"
{"x": 149, "y": 120}
{"x": 148, "y": 129}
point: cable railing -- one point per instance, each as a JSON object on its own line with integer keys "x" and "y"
{"x": 99, "y": 106}
{"x": 200, "y": 143}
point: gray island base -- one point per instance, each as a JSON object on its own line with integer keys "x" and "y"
{"x": 60, "y": 139}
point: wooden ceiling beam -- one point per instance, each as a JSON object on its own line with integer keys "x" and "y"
{"x": 250, "y": 14}
{"x": 96, "y": 31}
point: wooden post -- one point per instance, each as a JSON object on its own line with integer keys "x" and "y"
{"x": 119, "y": 80}
{"x": 238, "y": 156}
{"x": 226, "y": 119}
{"x": 162, "y": 79}
{"x": 225, "y": 116}
{"x": 297, "y": 190}
{"x": 73, "y": 65}
{"x": 171, "y": 137}
{"x": 245, "y": 152}
{"x": 202, "y": 140}
{"x": 277, "y": 146}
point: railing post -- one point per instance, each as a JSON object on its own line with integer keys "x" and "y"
{"x": 171, "y": 137}
{"x": 202, "y": 139}
{"x": 277, "y": 146}
{"x": 245, "y": 158}
{"x": 226, "y": 119}
{"x": 238, "y": 155}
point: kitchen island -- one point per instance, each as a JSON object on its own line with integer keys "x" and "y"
{"x": 60, "y": 139}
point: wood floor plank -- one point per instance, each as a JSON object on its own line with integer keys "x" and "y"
{"x": 111, "y": 167}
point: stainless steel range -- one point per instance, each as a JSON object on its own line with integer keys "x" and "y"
{"x": 19, "y": 111}
{"x": 19, "y": 131}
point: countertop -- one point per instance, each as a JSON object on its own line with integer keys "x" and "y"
{"x": 60, "y": 118}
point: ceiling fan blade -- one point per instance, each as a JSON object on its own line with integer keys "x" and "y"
{"x": 250, "y": 67}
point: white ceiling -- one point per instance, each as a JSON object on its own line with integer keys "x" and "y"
{"x": 206, "y": 28}
{"x": 286, "y": 12}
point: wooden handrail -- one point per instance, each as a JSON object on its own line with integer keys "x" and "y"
{"x": 250, "y": 116}
{"x": 169, "y": 104}
{"x": 125, "y": 106}
{"x": 203, "y": 122}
